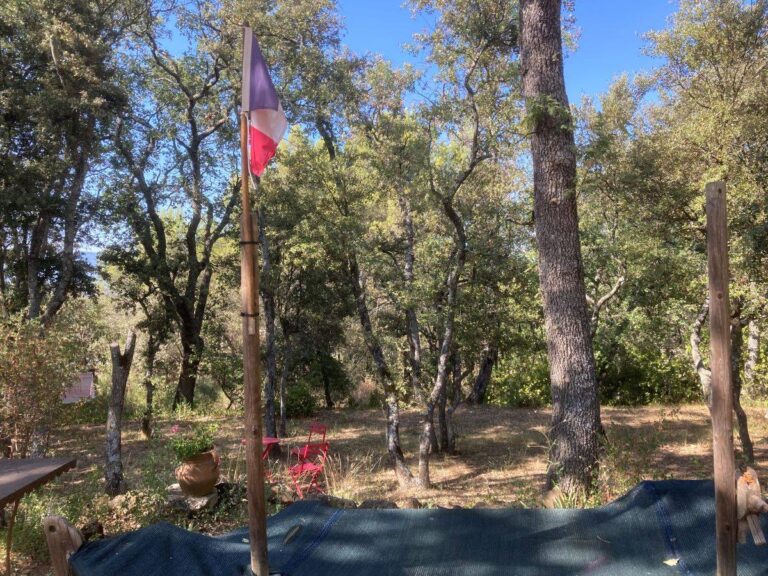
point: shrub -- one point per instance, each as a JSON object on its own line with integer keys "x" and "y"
{"x": 196, "y": 441}
{"x": 35, "y": 367}
{"x": 300, "y": 401}
{"x": 520, "y": 381}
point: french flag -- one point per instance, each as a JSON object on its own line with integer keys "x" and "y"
{"x": 266, "y": 119}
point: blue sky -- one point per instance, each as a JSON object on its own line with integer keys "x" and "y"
{"x": 610, "y": 39}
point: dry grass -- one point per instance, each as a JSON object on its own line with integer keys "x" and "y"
{"x": 502, "y": 454}
{"x": 502, "y": 459}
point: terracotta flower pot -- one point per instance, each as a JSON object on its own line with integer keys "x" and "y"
{"x": 198, "y": 475}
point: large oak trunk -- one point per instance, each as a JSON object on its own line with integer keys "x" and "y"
{"x": 121, "y": 367}
{"x": 575, "y": 409}
{"x": 190, "y": 362}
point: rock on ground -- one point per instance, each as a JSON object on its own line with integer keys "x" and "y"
{"x": 190, "y": 504}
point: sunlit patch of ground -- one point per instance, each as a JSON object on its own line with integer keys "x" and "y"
{"x": 501, "y": 461}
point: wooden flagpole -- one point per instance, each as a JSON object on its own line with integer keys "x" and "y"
{"x": 249, "y": 286}
{"x": 722, "y": 392}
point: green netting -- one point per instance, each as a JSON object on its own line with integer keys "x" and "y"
{"x": 657, "y": 528}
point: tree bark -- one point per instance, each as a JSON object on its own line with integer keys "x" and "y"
{"x": 80, "y": 156}
{"x": 704, "y": 374}
{"x": 412, "y": 321}
{"x": 403, "y": 474}
{"x": 446, "y": 346}
{"x": 457, "y": 400}
{"x": 190, "y": 362}
{"x": 38, "y": 238}
{"x": 753, "y": 353}
{"x": 287, "y": 361}
{"x": 270, "y": 349}
{"x": 574, "y": 433}
{"x": 599, "y": 304}
{"x": 149, "y": 386}
{"x": 326, "y": 380}
{"x": 480, "y": 386}
{"x": 442, "y": 421}
{"x": 737, "y": 344}
{"x": 114, "y": 483}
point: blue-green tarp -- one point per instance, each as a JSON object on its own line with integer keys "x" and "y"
{"x": 664, "y": 527}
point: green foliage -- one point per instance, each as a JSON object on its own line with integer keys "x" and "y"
{"x": 188, "y": 443}
{"x": 36, "y": 365}
{"x": 547, "y": 109}
{"x": 93, "y": 411}
{"x": 521, "y": 380}
{"x": 301, "y": 401}
{"x": 638, "y": 377}
{"x": 60, "y": 94}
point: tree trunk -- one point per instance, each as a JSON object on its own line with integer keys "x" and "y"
{"x": 442, "y": 420}
{"x": 574, "y": 433}
{"x": 704, "y": 374}
{"x": 149, "y": 386}
{"x": 412, "y": 321}
{"x": 121, "y": 367}
{"x": 446, "y": 345}
{"x": 403, "y": 474}
{"x": 326, "y": 381}
{"x": 287, "y": 361}
{"x": 737, "y": 344}
{"x": 80, "y": 159}
{"x": 456, "y": 401}
{"x": 753, "y": 354}
{"x": 480, "y": 386}
{"x": 38, "y": 238}
{"x": 270, "y": 348}
{"x": 185, "y": 390}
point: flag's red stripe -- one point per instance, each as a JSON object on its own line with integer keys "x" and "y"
{"x": 262, "y": 150}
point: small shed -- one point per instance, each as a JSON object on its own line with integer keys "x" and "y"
{"x": 84, "y": 388}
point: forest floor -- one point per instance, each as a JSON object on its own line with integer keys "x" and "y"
{"x": 501, "y": 461}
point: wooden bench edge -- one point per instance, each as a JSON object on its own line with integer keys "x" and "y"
{"x": 63, "y": 540}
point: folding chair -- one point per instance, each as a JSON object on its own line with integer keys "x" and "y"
{"x": 311, "y": 463}
{"x": 315, "y": 429}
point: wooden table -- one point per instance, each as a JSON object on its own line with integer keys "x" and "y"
{"x": 19, "y": 477}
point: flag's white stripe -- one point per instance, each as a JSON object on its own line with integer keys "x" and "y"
{"x": 246, "y": 77}
{"x": 270, "y": 122}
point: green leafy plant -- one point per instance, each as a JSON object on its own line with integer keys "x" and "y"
{"x": 301, "y": 402}
{"x": 193, "y": 442}
{"x": 36, "y": 364}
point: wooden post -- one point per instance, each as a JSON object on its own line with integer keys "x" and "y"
{"x": 9, "y": 538}
{"x": 722, "y": 396}
{"x": 249, "y": 279}
{"x": 63, "y": 540}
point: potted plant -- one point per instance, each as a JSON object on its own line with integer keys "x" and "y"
{"x": 199, "y": 469}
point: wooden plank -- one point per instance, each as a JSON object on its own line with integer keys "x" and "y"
{"x": 21, "y": 476}
{"x": 722, "y": 396}
{"x": 63, "y": 540}
{"x": 249, "y": 280}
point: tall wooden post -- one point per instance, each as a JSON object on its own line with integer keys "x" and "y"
{"x": 722, "y": 394}
{"x": 249, "y": 286}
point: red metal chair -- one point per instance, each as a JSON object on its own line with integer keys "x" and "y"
{"x": 311, "y": 463}
{"x": 315, "y": 429}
